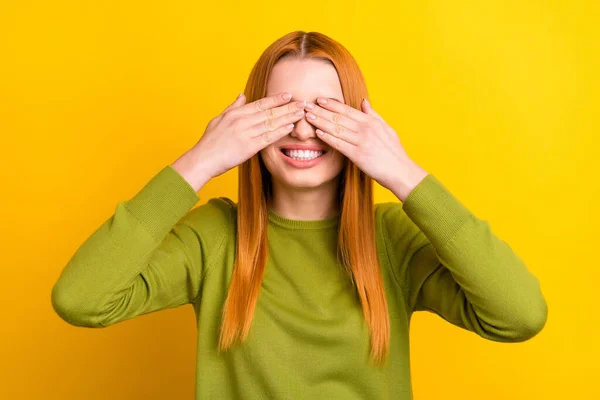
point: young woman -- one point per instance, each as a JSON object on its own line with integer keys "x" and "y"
{"x": 303, "y": 289}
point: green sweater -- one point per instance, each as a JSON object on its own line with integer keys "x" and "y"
{"x": 308, "y": 339}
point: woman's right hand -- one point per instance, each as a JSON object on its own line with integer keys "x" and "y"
{"x": 242, "y": 130}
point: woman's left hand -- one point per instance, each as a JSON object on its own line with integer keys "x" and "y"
{"x": 366, "y": 139}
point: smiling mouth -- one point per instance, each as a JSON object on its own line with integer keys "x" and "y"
{"x": 303, "y": 155}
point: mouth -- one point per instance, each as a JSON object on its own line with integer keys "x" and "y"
{"x": 303, "y": 155}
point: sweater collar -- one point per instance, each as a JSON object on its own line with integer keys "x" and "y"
{"x": 303, "y": 224}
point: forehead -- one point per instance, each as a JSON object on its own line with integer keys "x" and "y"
{"x": 305, "y": 79}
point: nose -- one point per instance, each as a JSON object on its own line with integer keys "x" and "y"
{"x": 303, "y": 130}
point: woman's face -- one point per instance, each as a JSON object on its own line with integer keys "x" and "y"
{"x": 305, "y": 79}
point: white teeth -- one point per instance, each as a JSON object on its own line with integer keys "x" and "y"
{"x": 303, "y": 154}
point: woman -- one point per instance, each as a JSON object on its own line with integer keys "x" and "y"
{"x": 305, "y": 288}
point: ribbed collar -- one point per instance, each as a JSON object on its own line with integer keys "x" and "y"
{"x": 303, "y": 224}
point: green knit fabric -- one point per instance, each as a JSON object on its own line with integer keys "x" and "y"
{"x": 308, "y": 338}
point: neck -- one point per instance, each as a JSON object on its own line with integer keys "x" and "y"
{"x": 306, "y": 204}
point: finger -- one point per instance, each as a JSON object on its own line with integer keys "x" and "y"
{"x": 367, "y": 109}
{"x": 239, "y": 101}
{"x": 274, "y": 113}
{"x": 334, "y": 117}
{"x": 236, "y": 103}
{"x": 334, "y": 127}
{"x": 269, "y": 137}
{"x": 271, "y": 124}
{"x": 344, "y": 147}
{"x": 335, "y": 106}
{"x": 263, "y": 103}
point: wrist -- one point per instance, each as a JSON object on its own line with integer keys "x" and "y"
{"x": 411, "y": 174}
{"x": 193, "y": 169}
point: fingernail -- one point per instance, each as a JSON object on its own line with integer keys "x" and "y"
{"x": 367, "y": 101}
{"x": 287, "y": 96}
{"x": 240, "y": 95}
{"x": 322, "y": 100}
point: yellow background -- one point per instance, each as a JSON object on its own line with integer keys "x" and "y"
{"x": 498, "y": 99}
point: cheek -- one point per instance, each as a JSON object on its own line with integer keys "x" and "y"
{"x": 338, "y": 160}
{"x": 266, "y": 152}
{"x": 268, "y": 155}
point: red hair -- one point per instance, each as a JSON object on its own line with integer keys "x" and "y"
{"x": 357, "y": 252}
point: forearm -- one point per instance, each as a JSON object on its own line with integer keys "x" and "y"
{"x": 106, "y": 267}
{"x": 504, "y": 300}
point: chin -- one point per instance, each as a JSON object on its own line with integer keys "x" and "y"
{"x": 322, "y": 174}
{"x": 303, "y": 180}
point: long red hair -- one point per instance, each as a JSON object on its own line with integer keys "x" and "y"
{"x": 357, "y": 251}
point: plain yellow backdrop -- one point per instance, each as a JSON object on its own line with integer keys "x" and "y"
{"x": 498, "y": 99}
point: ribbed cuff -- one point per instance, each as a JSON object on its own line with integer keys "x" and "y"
{"x": 436, "y": 211}
{"x": 162, "y": 202}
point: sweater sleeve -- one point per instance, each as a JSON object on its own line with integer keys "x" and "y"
{"x": 459, "y": 269}
{"x": 151, "y": 254}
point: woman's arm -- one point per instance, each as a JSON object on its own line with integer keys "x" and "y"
{"x": 152, "y": 254}
{"x": 459, "y": 269}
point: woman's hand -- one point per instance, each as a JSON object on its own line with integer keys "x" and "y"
{"x": 365, "y": 138}
{"x": 242, "y": 130}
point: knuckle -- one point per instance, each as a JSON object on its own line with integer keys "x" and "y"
{"x": 236, "y": 124}
{"x": 268, "y": 124}
{"x": 337, "y": 143}
{"x": 230, "y": 116}
{"x": 294, "y": 117}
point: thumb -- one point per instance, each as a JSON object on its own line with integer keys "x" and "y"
{"x": 239, "y": 101}
{"x": 367, "y": 109}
